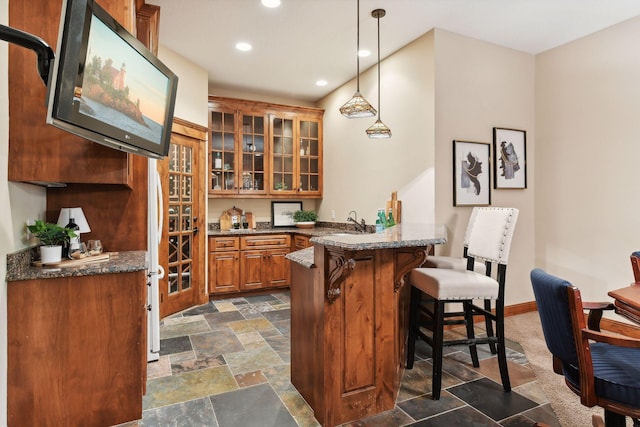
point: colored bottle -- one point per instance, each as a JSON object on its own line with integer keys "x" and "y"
{"x": 380, "y": 221}
{"x": 390, "y": 221}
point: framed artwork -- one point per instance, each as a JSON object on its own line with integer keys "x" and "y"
{"x": 510, "y": 158}
{"x": 282, "y": 213}
{"x": 471, "y": 173}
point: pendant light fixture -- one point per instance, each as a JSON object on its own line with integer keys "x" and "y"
{"x": 378, "y": 129}
{"x": 357, "y": 106}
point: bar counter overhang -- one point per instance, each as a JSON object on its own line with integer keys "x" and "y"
{"x": 349, "y": 318}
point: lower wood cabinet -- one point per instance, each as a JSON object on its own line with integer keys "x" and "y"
{"x": 77, "y": 350}
{"x": 248, "y": 263}
{"x": 224, "y": 269}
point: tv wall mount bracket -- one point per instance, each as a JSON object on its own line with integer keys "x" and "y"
{"x": 40, "y": 47}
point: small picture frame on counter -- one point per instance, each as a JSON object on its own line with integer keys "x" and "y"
{"x": 282, "y": 213}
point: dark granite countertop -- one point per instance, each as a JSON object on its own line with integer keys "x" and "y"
{"x": 120, "y": 262}
{"x": 399, "y": 236}
{"x": 311, "y": 232}
{"x": 303, "y": 257}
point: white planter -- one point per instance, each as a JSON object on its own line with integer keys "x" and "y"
{"x": 50, "y": 254}
{"x": 306, "y": 224}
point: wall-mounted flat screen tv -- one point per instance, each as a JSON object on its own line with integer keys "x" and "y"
{"x": 106, "y": 86}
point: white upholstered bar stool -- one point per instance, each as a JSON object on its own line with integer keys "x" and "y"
{"x": 432, "y": 288}
{"x": 457, "y": 263}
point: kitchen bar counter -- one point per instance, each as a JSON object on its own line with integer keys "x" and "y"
{"x": 349, "y": 318}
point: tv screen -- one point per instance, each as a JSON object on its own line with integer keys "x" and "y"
{"x": 107, "y": 87}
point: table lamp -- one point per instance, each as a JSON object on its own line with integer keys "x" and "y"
{"x": 72, "y": 218}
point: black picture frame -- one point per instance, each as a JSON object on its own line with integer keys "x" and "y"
{"x": 471, "y": 173}
{"x": 282, "y": 213}
{"x": 510, "y": 158}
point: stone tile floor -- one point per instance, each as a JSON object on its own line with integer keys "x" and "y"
{"x": 226, "y": 364}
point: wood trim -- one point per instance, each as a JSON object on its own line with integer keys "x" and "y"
{"x": 521, "y": 308}
{"x": 187, "y": 128}
{"x": 610, "y": 325}
{"x": 260, "y": 106}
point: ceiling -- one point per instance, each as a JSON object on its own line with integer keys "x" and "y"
{"x": 303, "y": 41}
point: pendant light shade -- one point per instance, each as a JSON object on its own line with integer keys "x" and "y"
{"x": 357, "y": 106}
{"x": 378, "y": 129}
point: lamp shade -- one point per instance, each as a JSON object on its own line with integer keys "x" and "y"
{"x": 78, "y": 217}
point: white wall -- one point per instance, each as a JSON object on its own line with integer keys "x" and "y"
{"x": 480, "y": 86}
{"x": 588, "y": 146}
{"x": 361, "y": 173}
{"x": 6, "y": 233}
{"x": 191, "y": 100}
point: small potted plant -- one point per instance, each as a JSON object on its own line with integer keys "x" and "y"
{"x": 305, "y": 219}
{"x": 53, "y": 237}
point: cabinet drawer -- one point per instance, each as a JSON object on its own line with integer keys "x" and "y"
{"x": 265, "y": 242}
{"x": 223, "y": 244}
{"x": 300, "y": 242}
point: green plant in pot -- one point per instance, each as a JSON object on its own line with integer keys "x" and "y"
{"x": 305, "y": 219}
{"x": 51, "y": 236}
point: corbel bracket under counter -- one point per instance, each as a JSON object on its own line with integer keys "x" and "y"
{"x": 340, "y": 267}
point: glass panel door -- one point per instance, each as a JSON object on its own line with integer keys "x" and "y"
{"x": 309, "y": 171}
{"x": 181, "y": 179}
{"x": 282, "y": 174}
{"x": 253, "y": 154}
{"x": 222, "y": 157}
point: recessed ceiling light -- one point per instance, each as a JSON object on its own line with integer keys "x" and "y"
{"x": 363, "y": 53}
{"x": 271, "y": 3}
{"x": 321, "y": 83}
{"x": 243, "y": 46}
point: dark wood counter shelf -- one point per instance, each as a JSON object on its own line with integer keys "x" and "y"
{"x": 349, "y": 317}
{"x": 77, "y": 343}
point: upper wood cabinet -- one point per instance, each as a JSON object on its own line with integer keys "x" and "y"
{"x": 38, "y": 152}
{"x": 258, "y": 149}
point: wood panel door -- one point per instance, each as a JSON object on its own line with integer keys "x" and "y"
{"x": 252, "y": 269}
{"x": 224, "y": 272}
{"x": 182, "y": 251}
{"x": 279, "y": 268}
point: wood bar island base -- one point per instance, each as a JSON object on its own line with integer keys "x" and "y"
{"x": 349, "y": 318}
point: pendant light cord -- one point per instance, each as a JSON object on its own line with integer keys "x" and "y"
{"x": 358, "y": 47}
{"x": 378, "y": 19}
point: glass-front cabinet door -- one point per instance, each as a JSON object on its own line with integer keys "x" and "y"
{"x": 283, "y": 155}
{"x": 310, "y": 160}
{"x": 222, "y": 152}
{"x": 253, "y": 136}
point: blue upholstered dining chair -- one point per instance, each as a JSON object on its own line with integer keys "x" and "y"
{"x": 602, "y": 368}
{"x": 433, "y": 288}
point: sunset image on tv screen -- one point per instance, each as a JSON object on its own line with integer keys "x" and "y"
{"x": 120, "y": 87}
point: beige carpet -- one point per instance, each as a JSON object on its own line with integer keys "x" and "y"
{"x": 526, "y": 330}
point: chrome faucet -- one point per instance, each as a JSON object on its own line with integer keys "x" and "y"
{"x": 361, "y": 226}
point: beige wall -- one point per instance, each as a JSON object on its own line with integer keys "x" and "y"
{"x": 587, "y": 131}
{"x": 360, "y": 173}
{"x": 480, "y": 86}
